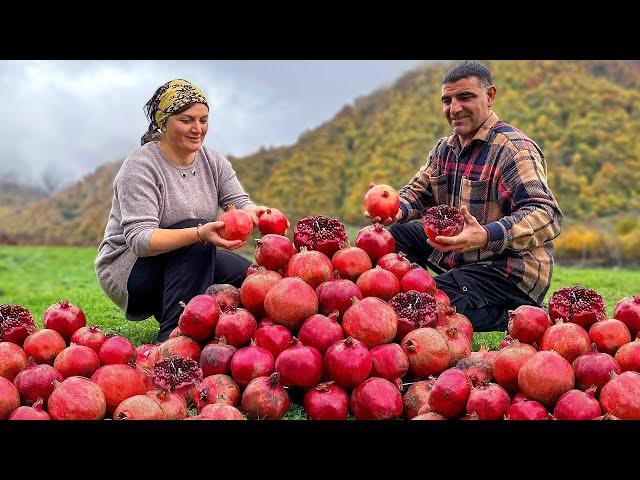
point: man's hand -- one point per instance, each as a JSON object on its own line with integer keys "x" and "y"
{"x": 385, "y": 221}
{"x": 472, "y": 237}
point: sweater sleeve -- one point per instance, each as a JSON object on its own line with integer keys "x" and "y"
{"x": 139, "y": 197}
{"x": 229, "y": 189}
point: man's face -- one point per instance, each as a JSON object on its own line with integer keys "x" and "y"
{"x": 466, "y": 105}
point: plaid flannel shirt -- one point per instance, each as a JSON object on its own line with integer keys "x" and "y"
{"x": 501, "y": 176}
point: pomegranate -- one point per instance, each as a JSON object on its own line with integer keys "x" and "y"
{"x": 348, "y": 362}
{"x": 172, "y": 404}
{"x": 459, "y": 344}
{"x": 9, "y": 398}
{"x": 336, "y": 294}
{"x": 568, "y": 339}
{"x": 237, "y": 224}
{"x": 182, "y": 346}
{"x": 321, "y": 332}
{"x": 627, "y": 311}
{"x": 414, "y": 310}
{"x": 417, "y": 396}
{"x": 16, "y": 324}
{"x": 324, "y": 234}
{"x": 44, "y": 345}
{"x": 527, "y": 410}
{"x": 594, "y": 368}
{"x": 290, "y": 302}
{"x": 461, "y": 323}
{"x": 177, "y": 374}
{"x": 272, "y": 221}
{"x": 273, "y": 251}
{"x": 251, "y": 362}
{"x": 442, "y": 298}
{"x": 299, "y": 366}
{"x": 607, "y": 416}
{"x": 508, "y": 363}
{"x": 577, "y": 304}
{"x": 371, "y": 321}
{"x": 351, "y": 262}
{"x": 226, "y": 295}
{"x": 218, "y": 411}
{"x": 176, "y": 332}
{"x": 117, "y": 349}
{"x": 577, "y": 405}
{"x": 450, "y": 393}
{"x": 477, "y": 369}
{"x": 378, "y": 282}
{"x": 216, "y": 389}
{"x": 147, "y": 355}
{"x": 528, "y": 323}
{"x": 311, "y": 266}
{"x": 264, "y": 398}
{"x": 376, "y": 399}
{"x": 609, "y": 335}
{"x": 376, "y": 240}
{"x": 489, "y": 401}
{"x": 216, "y": 357}
{"x": 389, "y": 361}
{"x": 251, "y": 269}
{"x": 13, "y": 360}
{"x": 91, "y": 337}
{"x": 78, "y": 398}
{"x": 199, "y": 318}
{"x": 621, "y": 396}
{"x": 506, "y": 342}
{"x": 427, "y": 351}
{"x": 442, "y": 220}
{"x": 254, "y": 289}
{"x": 418, "y": 279}
{"x": 139, "y": 407}
{"x": 77, "y": 361}
{"x": 237, "y": 326}
{"x": 381, "y": 201}
{"x": 430, "y": 415}
{"x": 118, "y": 382}
{"x": 65, "y": 318}
{"x": 628, "y": 356}
{"x": 545, "y": 376}
{"x": 326, "y": 401}
{"x": 36, "y": 381}
{"x": 34, "y": 412}
{"x": 274, "y": 338}
{"x": 396, "y": 263}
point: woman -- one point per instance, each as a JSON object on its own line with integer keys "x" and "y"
{"x": 160, "y": 243}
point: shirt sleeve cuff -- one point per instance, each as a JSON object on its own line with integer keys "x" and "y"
{"x": 496, "y": 237}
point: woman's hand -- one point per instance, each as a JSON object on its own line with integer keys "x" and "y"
{"x": 209, "y": 232}
{"x": 255, "y": 212}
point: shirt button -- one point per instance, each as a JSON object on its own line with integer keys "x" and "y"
{"x": 464, "y": 289}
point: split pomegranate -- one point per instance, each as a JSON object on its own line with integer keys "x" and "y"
{"x": 117, "y": 349}
{"x": 218, "y": 411}
{"x": 65, "y": 318}
{"x": 627, "y": 311}
{"x": 609, "y": 335}
{"x": 568, "y": 339}
{"x": 577, "y": 304}
{"x": 389, "y": 361}
{"x": 92, "y": 337}
{"x": 351, "y": 262}
{"x": 9, "y": 398}
{"x": 272, "y": 221}
{"x": 370, "y": 320}
{"x": 381, "y": 201}
{"x": 326, "y": 401}
{"x": 216, "y": 389}
{"x": 527, "y": 410}
{"x": 414, "y": 310}
{"x": 265, "y": 399}
{"x": 274, "y": 338}
{"x": 376, "y": 240}
{"x": 255, "y": 287}
{"x": 139, "y": 407}
{"x": 528, "y": 323}
{"x": 489, "y": 401}
{"x": 450, "y": 393}
{"x": 348, "y": 362}
{"x": 577, "y": 405}
{"x": 237, "y": 326}
{"x": 320, "y": 332}
{"x": 418, "y": 279}
{"x": 477, "y": 369}
{"x": 290, "y": 302}
{"x": 36, "y": 381}
{"x": 251, "y": 362}
{"x": 177, "y": 374}
{"x": 182, "y": 346}
{"x": 274, "y": 251}
{"x": 442, "y": 220}
{"x": 237, "y": 224}
{"x": 594, "y": 368}
{"x": 225, "y": 294}
{"x": 44, "y": 345}
{"x": 417, "y": 396}
{"x": 199, "y": 318}
{"x": 16, "y": 324}
{"x": 118, "y": 382}
{"x": 508, "y": 363}
{"x": 299, "y": 366}
{"x": 628, "y": 356}
{"x": 78, "y": 398}
{"x": 621, "y": 396}
{"x": 34, "y": 412}
{"x": 376, "y": 399}
{"x": 13, "y": 360}
{"x": 545, "y": 376}
{"x": 311, "y": 266}
{"x": 77, "y": 361}
{"x": 324, "y": 234}
{"x": 216, "y": 357}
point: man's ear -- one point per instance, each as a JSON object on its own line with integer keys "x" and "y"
{"x": 491, "y": 93}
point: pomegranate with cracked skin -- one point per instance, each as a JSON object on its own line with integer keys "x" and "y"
{"x": 177, "y": 374}
{"x": 577, "y": 304}
{"x": 627, "y": 311}
{"x": 272, "y": 221}
{"x": 381, "y": 201}
{"x": 443, "y": 221}
{"x": 414, "y": 310}
{"x": 237, "y": 224}
{"x": 351, "y": 262}
{"x": 376, "y": 240}
{"x": 65, "y": 318}
{"x": 324, "y": 234}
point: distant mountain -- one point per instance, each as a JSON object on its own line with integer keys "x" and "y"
{"x": 584, "y": 114}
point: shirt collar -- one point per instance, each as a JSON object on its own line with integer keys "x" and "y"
{"x": 481, "y": 134}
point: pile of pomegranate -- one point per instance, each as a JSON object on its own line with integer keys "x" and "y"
{"x": 346, "y": 331}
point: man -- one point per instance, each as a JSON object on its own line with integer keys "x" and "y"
{"x": 497, "y": 176}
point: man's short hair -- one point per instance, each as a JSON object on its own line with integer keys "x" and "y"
{"x": 469, "y": 69}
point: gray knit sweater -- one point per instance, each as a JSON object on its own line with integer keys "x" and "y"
{"x": 151, "y": 192}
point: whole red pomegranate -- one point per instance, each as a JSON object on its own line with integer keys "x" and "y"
{"x": 34, "y": 412}
{"x": 460, "y": 322}
{"x": 218, "y": 411}
{"x": 417, "y": 396}
{"x": 381, "y": 201}
{"x": 621, "y": 396}
{"x": 16, "y": 323}
{"x": 311, "y": 266}
{"x": 336, "y": 294}
{"x": 90, "y": 336}
{"x": 324, "y": 234}
{"x": 13, "y": 360}
{"x": 568, "y": 339}
{"x": 378, "y": 282}
{"x": 442, "y": 220}
{"x": 414, "y": 310}
{"x": 628, "y": 356}
{"x": 376, "y": 399}
{"x": 477, "y": 369}
{"x": 489, "y": 401}
{"x": 577, "y": 304}
{"x": 545, "y": 376}
{"x": 117, "y": 382}
{"x": 254, "y": 289}
{"x": 527, "y": 410}
{"x": 351, "y": 262}
{"x": 418, "y": 279}
{"x": 290, "y": 302}
{"x": 272, "y": 221}
{"x": 627, "y": 311}
{"x": 371, "y": 321}
{"x": 251, "y": 362}
{"x": 430, "y": 415}
{"x": 274, "y": 338}
{"x": 427, "y": 351}
{"x": 273, "y": 252}
{"x": 396, "y": 263}
{"x": 225, "y": 294}
{"x": 299, "y": 366}
{"x": 348, "y": 362}
{"x": 609, "y": 335}
{"x": 36, "y": 381}
{"x": 216, "y": 389}
{"x": 78, "y": 398}
{"x": 117, "y": 349}
{"x": 376, "y": 240}
{"x": 528, "y": 323}
{"x": 577, "y": 405}
{"x": 139, "y": 407}
{"x": 172, "y": 404}
{"x": 9, "y": 398}
{"x": 389, "y": 361}
{"x": 450, "y": 393}
{"x": 508, "y": 362}
{"x": 199, "y": 318}
{"x": 182, "y": 346}
{"x": 321, "y": 332}
{"x": 265, "y": 399}
{"x": 237, "y": 224}
{"x": 238, "y": 327}
{"x": 44, "y": 345}
{"x": 65, "y": 318}
{"x": 216, "y": 357}
{"x": 594, "y": 368}
{"x": 326, "y": 401}
{"x": 77, "y": 361}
